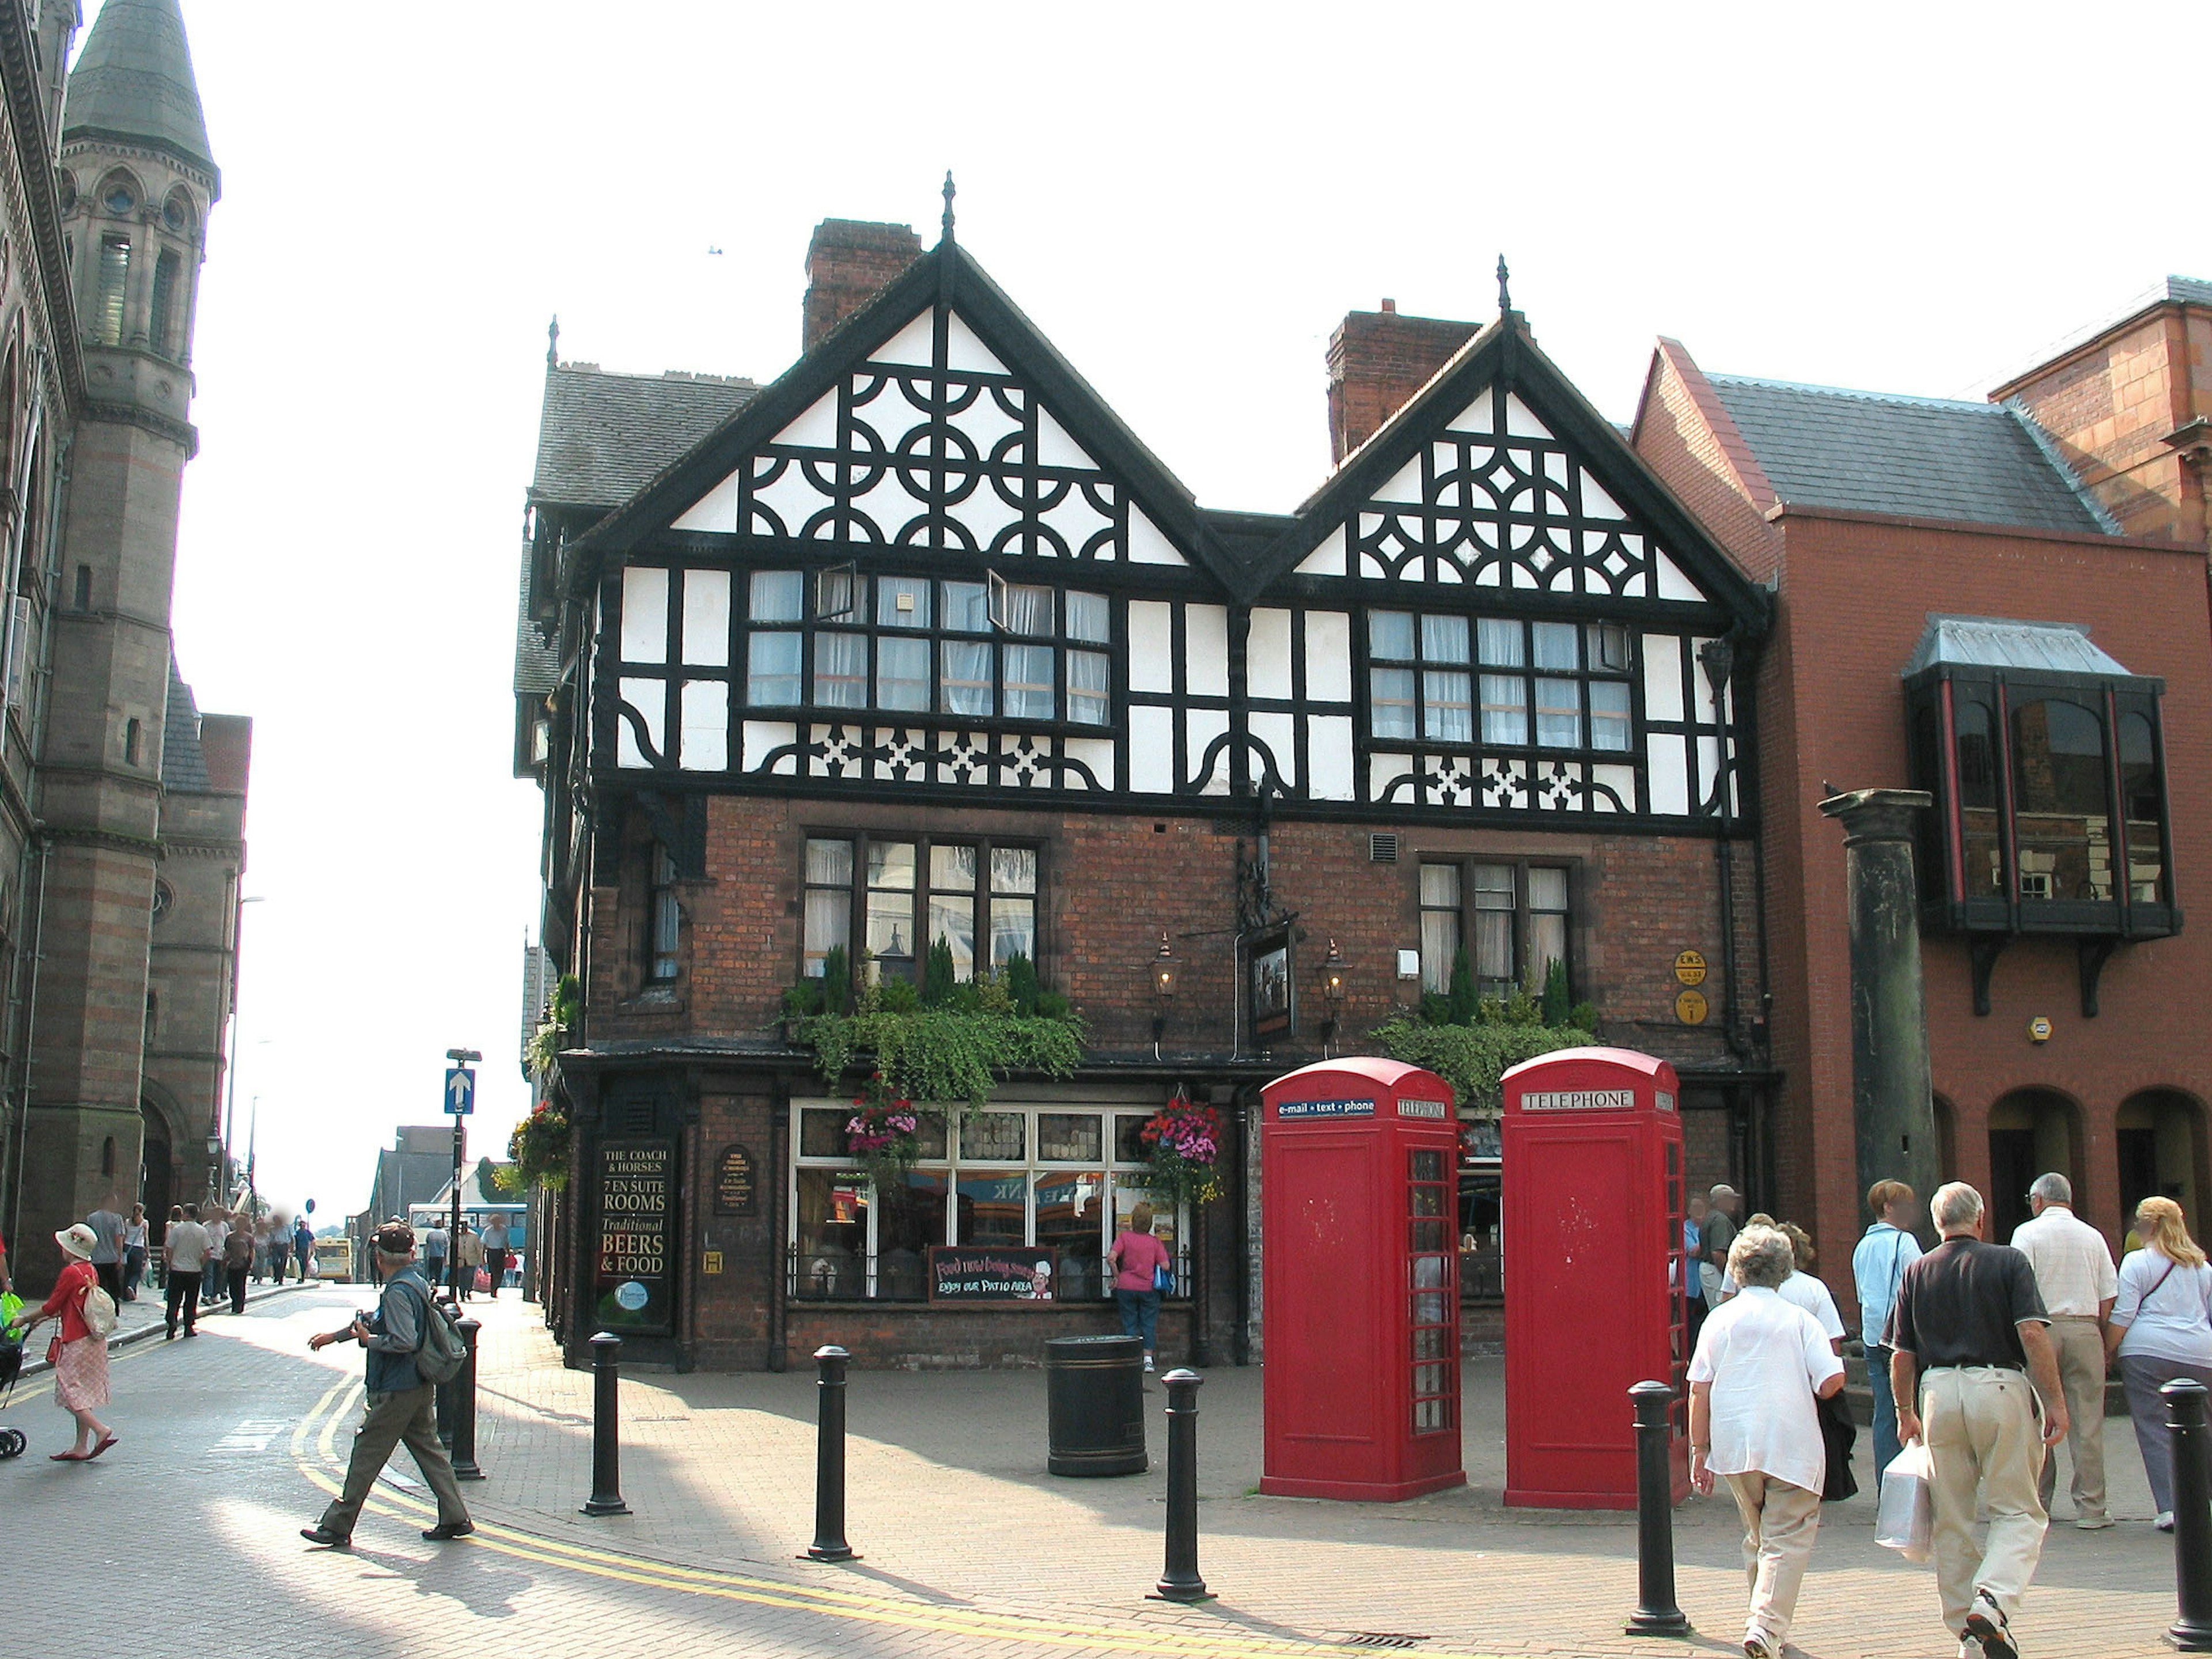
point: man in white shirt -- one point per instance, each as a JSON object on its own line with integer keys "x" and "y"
{"x": 185, "y": 1248}
{"x": 2074, "y": 1272}
{"x": 1759, "y": 1363}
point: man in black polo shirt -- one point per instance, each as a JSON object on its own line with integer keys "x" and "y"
{"x": 1967, "y": 1334}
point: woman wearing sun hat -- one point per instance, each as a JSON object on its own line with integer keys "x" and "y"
{"x": 79, "y": 1357}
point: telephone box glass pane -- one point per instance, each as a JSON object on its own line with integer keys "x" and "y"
{"x": 1428, "y": 1200}
{"x": 1425, "y": 1235}
{"x": 1429, "y": 1342}
{"x": 1428, "y": 1306}
{"x": 1428, "y": 1166}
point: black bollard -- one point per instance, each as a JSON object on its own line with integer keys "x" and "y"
{"x": 465, "y": 1406}
{"x": 1180, "y": 1582}
{"x": 606, "y": 1427}
{"x": 829, "y": 1543}
{"x": 2192, "y": 1515}
{"x": 1655, "y": 1612}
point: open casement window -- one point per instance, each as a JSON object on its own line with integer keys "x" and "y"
{"x": 2050, "y": 808}
{"x": 887, "y": 899}
{"x": 1063, "y": 1177}
{"x": 1512, "y": 919}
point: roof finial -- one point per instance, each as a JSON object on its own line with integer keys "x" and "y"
{"x": 949, "y": 194}
{"x": 553, "y": 342}
{"x": 1505, "y": 293}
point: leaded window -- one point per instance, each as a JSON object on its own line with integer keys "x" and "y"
{"x": 979, "y": 897}
{"x": 1513, "y": 920}
{"x": 663, "y": 916}
{"x": 1498, "y": 682}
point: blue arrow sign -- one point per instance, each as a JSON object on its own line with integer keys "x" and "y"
{"x": 460, "y": 1092}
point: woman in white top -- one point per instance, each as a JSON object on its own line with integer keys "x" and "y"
{"x": 1758, "y": 1365}
{"x": 134, "y": 1252}
{"x": 2162, "y": 1328}
{"x": 1804, "y": 1290}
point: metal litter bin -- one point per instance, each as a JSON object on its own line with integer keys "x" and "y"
{"x": 1095, "y": 1398}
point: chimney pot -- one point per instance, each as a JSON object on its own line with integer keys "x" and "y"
{"x": 1389, "y": 308}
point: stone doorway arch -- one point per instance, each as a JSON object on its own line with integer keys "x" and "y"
{"x": 2158, "y": 1137}
{"x": 2032, "y": 1132}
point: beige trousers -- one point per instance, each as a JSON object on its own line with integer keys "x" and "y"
{"x": 1986, "y": 1444}
{"x": 1779, "y": 1523}
{"x": 2080, "y": 1348}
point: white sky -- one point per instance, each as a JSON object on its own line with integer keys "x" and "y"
{"x": 1186, "y": 199}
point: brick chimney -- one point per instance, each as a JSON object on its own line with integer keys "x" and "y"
{"x": 1377, "y": 360}
{"x": 846, "y": 262}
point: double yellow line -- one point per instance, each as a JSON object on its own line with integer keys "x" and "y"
{"x": 858, "y": 1605}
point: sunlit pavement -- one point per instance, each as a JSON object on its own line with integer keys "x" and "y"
{"x": 230, "y": 1444}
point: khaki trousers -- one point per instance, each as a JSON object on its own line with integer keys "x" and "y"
{"x": 1986, "y": 1445}
{"x": 2080, "y": 1348}
{"x": 1779, "y": 1523}
{"x": 408, "y": 1414}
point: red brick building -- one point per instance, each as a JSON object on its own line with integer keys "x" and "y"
{"x": 919, "y": 643}
{"x": 2004, "y": 603}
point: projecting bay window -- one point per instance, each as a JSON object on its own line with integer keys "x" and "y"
{"x": 1061, "y": 1178}
{"x": 911, "y": 645}
{"x": 1498, "y": 683}
{"x": 979, "y": 897}
{"x": 1512, "y": 919}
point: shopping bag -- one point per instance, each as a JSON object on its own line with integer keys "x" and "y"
{"x": 483, "y": 1279}
{"x": 11, "y": 1310}
{"x": 1906, "y": 1520}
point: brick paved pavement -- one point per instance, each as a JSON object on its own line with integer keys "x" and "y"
{"x": 969, "y": 1546}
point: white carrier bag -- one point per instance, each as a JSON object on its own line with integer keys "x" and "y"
{"x": 1906, "y": 1520}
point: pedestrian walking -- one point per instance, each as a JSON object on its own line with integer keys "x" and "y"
{"x": 78, "y": 1354}
{"x": 1759, "y": 1364}
{"x": 303, "y": 1246}
{"x": 237, "y": 1262}
{"x": 106, "y": 1226}
{"x": 2162, "y": 1329}
{"x": 1804, "y": 1289}
{"x": 401, "y": 1405}
{"x": 261, "y": 1249}
{"x": 1878, "y": 1265}
{"x": 1693, "y": 1258}
{"x": 495, "y": 1243}
{"x": 216, "y": 1220}
{"x": 1967, "y": 1334}
{"x": 2075, "y": 1276}
{"x": 279, "y": 1249}
{"x": 1718, "y": 1235}
{"x": 433, "y": 1246}
{"x": 135, "y": 1232}
{"x": 1138, "y": 1259}
{"x": 186, "y": 1247}
{"x": 469, "y": 1255}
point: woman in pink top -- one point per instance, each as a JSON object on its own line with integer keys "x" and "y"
{"x": 79, "y": 1353}
{"x": 1138, "y": 1257}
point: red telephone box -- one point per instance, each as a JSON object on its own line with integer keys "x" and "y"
{"x": 1596, "y": 1277}
{"x": 1358, "y": 1192}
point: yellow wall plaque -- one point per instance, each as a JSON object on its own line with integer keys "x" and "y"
{"x": 713, "y": 1264}
{"x": 1690, "y": 1008}
{"x": 1689, "y": 968}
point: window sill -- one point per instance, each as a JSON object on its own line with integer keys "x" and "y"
{"x": 654, "y": 999}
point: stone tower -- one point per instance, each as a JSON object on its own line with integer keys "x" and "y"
{"x": 136, "y": 181}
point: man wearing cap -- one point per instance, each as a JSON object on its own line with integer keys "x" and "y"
{"x": 1718, "y": 1234}
{"x": 402, "y": 1404}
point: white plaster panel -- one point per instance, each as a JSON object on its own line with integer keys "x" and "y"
{"x": 964, "y": 353}
{"x": 1329, "y": 656}
{"x": 1055, "y": 447}
{"x": 1147, "y": 544}
{"x": 1201, "y": 726}
{"x": 911, "y": 344}
{"x": 1326, "y": 560}
{"x": 1098, "y": 754}
{"x": 1382, "y": 770}
{"x": 644, "y": 615}
{"x": 1205, "y": 650}
{"x": 1673, "y": 584}
{"x": 1669, "y": 773}
{"x": 1521, "y": 421}
{"x": 1597, "y": 501}
{"x": 704, "y": 742}
{"x": 982, "y": 514}
{"x": 762, "y": 738}
{"x": 792, "y": 498}
{"x": 1074, "y": 520}
{"x": 1404, "y": 485}
{"x": 715, "y": 511}
{"x": 984, "y": 422}
{"x": 1279, "y": 734}
{"x": 1328, "y": 756}
{"x": 1151, "y": 750}
{"x": 816, "y": 427}
{"x": 1267, "y": 655}
{"x": 1476, "y": 417}
{"x": 707, "y": 618}
{"x": 1151, "y": 646}
{"x": 1663, "y": 677}
{"x": 1621, "y": 780}
{"x": 647, "y": 698}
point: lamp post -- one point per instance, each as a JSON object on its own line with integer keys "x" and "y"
{"x": 219, "y": 1129}
{"x": 1163, "y": 990}
{"x": 1332, "y": 993}
{"x": 459, "y": 1057}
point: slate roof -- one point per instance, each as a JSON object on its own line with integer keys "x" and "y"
{"x": 184, "y": 766}
{"x": 1925, "y": 458}
{"x": 2187, "y": 290}
{"x": 134, "y": 81}
{"x": 602, "y": 437}
{"x": 2001, "y": 642}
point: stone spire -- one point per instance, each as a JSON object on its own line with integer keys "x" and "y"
{"x": 133, "y": 84}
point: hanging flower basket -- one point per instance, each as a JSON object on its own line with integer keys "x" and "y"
{"x": 880, "y": 1135}
{"x": 1182, "y": 1146}
{"x": 539, "y": 1147}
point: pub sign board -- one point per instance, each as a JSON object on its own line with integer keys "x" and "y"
{"x": 631, "y": 1289}
{"x": 736, "y": 1191}
{"x": 992, "y": 1272}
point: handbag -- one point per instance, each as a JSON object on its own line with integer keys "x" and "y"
{"x": 1841, "y": 1434}
{"x": 1905, "y": 1521}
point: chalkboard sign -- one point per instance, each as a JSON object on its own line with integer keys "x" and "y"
{"x": 636, "y": 1200}
{"x": 992, "y": 1272}
{"x": 734, "y": 1182}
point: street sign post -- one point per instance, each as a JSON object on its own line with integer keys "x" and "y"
{"x": 460, "y": 1101}
{"x": 460, "y": 1092}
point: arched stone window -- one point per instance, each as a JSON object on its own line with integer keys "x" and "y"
{"x": 161, "y": 329}
{"x": 119, "y": 195}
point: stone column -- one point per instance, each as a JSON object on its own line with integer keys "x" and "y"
{"x": 1893, "y": 1098}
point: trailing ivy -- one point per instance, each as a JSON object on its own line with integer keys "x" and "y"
{"x": 1473, "y": 1058}
{"x": 950, "y": 1056}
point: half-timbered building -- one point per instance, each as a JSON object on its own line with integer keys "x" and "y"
{"x": 920, "y": 642}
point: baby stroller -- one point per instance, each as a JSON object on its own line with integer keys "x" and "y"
{"x": 12, "y": 1441}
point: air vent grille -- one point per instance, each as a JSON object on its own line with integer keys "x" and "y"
{"x": 1382, "y": 850}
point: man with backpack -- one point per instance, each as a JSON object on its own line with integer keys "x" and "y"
{"x": 412, "y": 1347}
